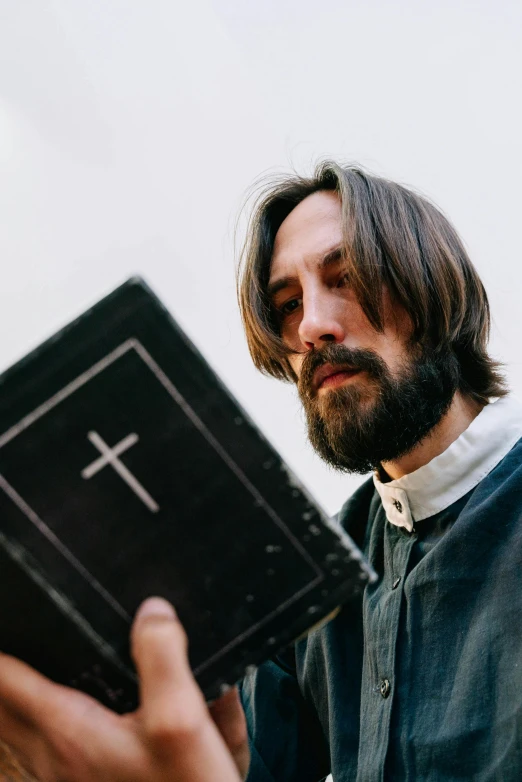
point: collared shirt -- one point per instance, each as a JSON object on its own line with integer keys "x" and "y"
{"x": 449, "y": 476}
{"x": 422, "y": 681}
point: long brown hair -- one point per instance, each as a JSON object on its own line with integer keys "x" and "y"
{"x": 392, "y": 237}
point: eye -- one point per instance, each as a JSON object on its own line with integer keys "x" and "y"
{"x": 343, "y": 280}
{"x": 289, "y": 306}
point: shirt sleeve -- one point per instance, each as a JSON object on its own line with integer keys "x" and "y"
{"x": 287, "y": 743}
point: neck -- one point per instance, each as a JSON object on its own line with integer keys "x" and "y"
{"x": 461, "y": 413}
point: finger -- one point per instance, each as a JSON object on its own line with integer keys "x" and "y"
{"x": 17, "y": 746}
{"x": 52, "y": 728}
{"x": 171, "y": 701}
{"x": 23, "y": 696}
{"x": 22, "y": 689}
{"x": 229, "y": 717}
{"x": 10, "y": 767}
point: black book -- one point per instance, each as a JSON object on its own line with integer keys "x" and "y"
{"x": 128, "y": 470}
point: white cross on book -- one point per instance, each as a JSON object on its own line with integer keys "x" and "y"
{"x": 110, "y": 456}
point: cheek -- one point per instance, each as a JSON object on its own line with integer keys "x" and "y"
{"x": 295, "y": 362}
{"x": 290, "y": 331}
{"x": 397, "y": 356}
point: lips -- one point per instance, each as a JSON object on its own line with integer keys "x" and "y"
{"x": 327, "y": 371}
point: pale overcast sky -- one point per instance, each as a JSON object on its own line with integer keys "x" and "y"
{"x": 130, "y": 132}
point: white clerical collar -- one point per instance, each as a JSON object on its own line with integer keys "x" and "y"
{"x": 457, "y": 470}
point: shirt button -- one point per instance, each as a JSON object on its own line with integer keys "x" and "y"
{"x": 385, "y": 688}
{"x": 396, "y": 582}
{"x": 398, "y": 505}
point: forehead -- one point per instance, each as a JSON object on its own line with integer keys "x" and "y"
{"x": 312, "y": 229}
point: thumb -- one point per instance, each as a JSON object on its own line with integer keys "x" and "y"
{"x": 173, "y": 713}
{"x": 169, "y": 693}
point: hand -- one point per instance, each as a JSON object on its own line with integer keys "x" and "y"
{"x": 62, "y": 735}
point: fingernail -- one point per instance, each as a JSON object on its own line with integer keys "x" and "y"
{"x": 156, "y": 606}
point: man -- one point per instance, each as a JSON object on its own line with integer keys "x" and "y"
{"x": 361, "y": 293}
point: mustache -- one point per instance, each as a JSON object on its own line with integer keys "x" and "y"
{"x": 361, "y": 359}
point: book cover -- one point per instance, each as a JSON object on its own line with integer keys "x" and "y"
{"x": 127, "y": 470}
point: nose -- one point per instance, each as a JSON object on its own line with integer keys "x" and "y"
{"x": 321, "y": 321}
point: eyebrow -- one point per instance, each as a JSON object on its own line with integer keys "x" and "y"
{"x": 331, "y": 258}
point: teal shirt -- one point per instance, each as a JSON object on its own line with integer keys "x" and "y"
{"x": 422, "y": 679}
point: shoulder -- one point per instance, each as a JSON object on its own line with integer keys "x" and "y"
{"x": 504, "y": 483}
{"x": 508, "y": 471}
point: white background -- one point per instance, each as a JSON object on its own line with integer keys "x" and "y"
{"x": 130, "y": 132}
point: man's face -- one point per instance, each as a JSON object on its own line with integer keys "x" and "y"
{"x": 369, "y": 396}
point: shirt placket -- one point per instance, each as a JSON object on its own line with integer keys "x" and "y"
{"x": 382, "y": 606}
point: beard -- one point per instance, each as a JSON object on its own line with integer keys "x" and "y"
{"x": 381, "y": 416}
